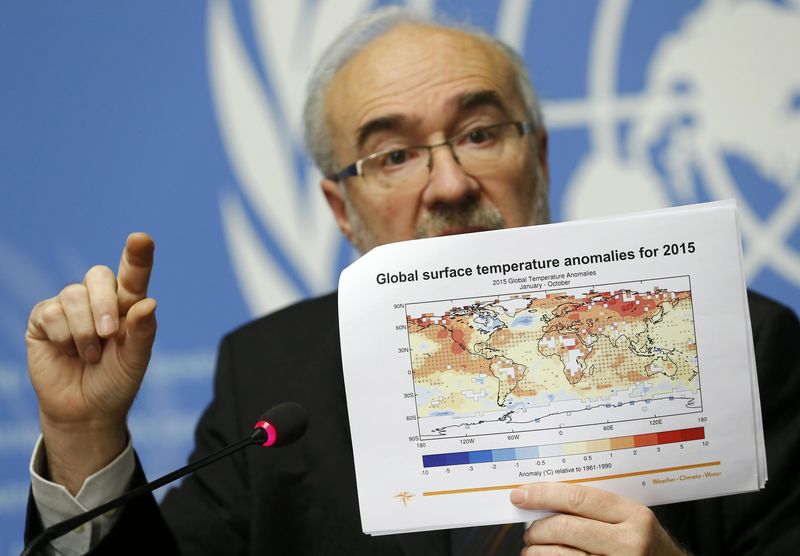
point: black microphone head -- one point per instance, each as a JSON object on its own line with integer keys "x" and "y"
{"x": 283, "y": 424}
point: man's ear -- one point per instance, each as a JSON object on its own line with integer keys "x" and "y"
{"x": 335, "y": 197}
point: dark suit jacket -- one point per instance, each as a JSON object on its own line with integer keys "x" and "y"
{"x": 301, "y": 499}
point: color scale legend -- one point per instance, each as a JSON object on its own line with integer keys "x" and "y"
{"x": 565, "y": 449}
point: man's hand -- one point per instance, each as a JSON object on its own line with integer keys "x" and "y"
{"x": 88, "y": 348}
{"x": 590, "y": 521}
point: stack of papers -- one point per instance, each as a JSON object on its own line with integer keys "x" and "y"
{"x": 615, "y": 352}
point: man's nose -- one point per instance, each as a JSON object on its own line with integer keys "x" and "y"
{"x": 447, "y": 182}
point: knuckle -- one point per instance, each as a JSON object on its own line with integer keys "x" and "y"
{"x": 563, "y": 526}
{"x": 39, "y": 307}
{"x": 641, "y": 532}
{"x": 98, "y": 272}
{"x": 644, "y": 520}
{"x": 576, "y": 498}
{"x": 51, "y": 322}
{"x": 646, "y": 516}
{"x": 73, "y": 293}
{"x": 50, "y": 313}
{"x": 552, "y": 528}
{"x": 646, "y": 513}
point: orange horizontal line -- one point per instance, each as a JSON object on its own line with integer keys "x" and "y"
{"x": 584, "y": 480}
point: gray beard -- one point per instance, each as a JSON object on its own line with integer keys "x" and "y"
{"x": 470, "y": 213}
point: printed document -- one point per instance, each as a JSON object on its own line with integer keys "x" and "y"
{"x": 614, "y": 352}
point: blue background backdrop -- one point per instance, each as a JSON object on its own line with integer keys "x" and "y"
{"x": 115, "y": 117}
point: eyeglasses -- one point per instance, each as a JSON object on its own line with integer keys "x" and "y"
{"x": 479, "y": 151}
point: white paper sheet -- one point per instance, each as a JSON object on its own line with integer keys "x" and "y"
{"x": 615, "y": 352}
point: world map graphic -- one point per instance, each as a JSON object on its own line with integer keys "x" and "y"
{"x": 552, "y": 359}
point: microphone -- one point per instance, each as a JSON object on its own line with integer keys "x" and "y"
{"x": 278, "y": 426}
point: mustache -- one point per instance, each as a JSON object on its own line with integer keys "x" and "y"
{"x": 470, "y": 213}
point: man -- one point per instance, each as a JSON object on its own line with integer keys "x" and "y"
{"x": 391, "y": 83}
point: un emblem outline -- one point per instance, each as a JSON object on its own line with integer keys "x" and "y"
{"x": 280, "y": 235}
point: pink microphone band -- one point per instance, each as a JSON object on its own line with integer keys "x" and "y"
{"x": 272, "y": 433}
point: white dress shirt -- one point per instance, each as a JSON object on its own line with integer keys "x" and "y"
{"x": 55, "y": 503}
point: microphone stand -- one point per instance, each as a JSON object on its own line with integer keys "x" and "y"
{"x": 258, "y": 436}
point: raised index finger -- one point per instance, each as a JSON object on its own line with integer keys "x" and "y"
{"x": 575, "y": 499}
{"x": 134, "y": 270}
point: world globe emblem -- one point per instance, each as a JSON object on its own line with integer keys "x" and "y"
{"x": 715, "y": 115}
{"x": 718, "y": 117}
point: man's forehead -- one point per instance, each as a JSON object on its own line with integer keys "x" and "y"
{"x": 410, "y": 63}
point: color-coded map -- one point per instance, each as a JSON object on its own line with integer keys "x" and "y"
{"x": 554, "y": 359}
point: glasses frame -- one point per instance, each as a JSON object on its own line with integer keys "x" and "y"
{"x": 356, "y": 168}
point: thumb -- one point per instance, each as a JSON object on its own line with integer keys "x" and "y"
{"x": 140, "y": 333}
